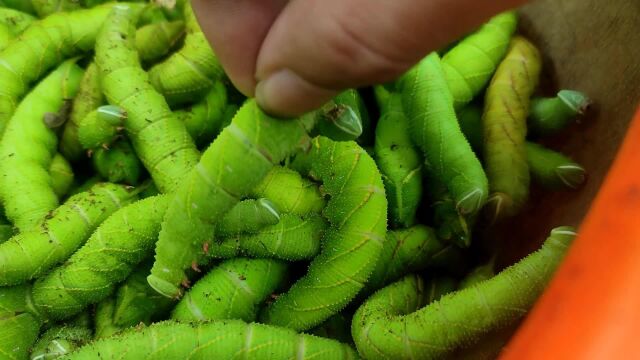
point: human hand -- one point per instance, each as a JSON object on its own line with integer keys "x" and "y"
{"x": 294, "y": 56}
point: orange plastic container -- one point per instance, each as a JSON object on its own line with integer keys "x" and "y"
{"x": 592, "y": 308}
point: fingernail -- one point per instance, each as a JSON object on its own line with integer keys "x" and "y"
{"x": 285, "y": 93}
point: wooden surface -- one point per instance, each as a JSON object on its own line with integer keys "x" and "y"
{"x": 592, "y": 46}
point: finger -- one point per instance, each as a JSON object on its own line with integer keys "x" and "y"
{"x": 318, "y": 47}
{"x": 236, "y": 29}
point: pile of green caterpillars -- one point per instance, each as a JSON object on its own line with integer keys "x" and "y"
{"x": 150, "y": 211}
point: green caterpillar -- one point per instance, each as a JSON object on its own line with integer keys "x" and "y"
{"x": 133, "y": 303}
{"x": 19, "y": 322}
{"x": 469, "y": 65}
{"x": 20, "y": 5}
{"x": 290, "y": 192}
{"x": 28, "y": 147}
{"x": 293, "y": 238}
{"x": 15, "y": 20}
{"x": 384, "y": 327}
{"x": 550, "y": 115}
{"x": 405, "y": 251}
{"x": 552, "y": 169}
{"x": 248, "y": 216}
{"x": 235, "y": 289}
{"x": 160, "y": 140}
{"x": 235, "y": 163}
{"x": 505, "y": 128}
{"x": 214, "y": 340}
{"x": 154, "y": 41}
{"x": 61, "y": 175}
{"x": 30, "y": 254}
{"x": 189, "y": 73}
{"x": 451, "y": 226}
{"x": 5, "y": 36}
{"x": 357, "y": 214}
{"x": 47, "y": 7}
{"x": 43, "y": 46}
{"x": 120, "y": 243}
{"x": 547, "y": 167}
{"x": 85, "y": 185}
{"x": 399, "y": 162}
{"x": 59, "y": 341}
{"x": 204, "y": 120}
{"x": 118, "y": 164}
{"x": 429, "y": 107}
{"x": 88, "y": 98}
{"x": 101, "y": 127}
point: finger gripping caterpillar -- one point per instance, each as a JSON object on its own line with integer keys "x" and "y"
{"x": 234, "y": 164}
{"x": 214, "y": 340}
{"x": 30, "y": 254}
{"x": 235, "y": 289}
{"x": 356, "y": 213}
{"x": 26, "y": 187}
{"x": 505, "y": 128}
{"x": 428, "y": 105}
{"x": 160, "y": 140}
{"x": 384, "y": 328}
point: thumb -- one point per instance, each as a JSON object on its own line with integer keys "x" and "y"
{"x": 316, "y": 48}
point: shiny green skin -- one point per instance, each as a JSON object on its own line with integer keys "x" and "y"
{"x": 88, "y": 98}
{"x": 109, "y": 256}
{"x": 293, "y": 238}
{"x": 357, "y": 216}
{"x": 29, "y": 255}
{"x": 382, "y": 324}
{"x": 235, "y": 289}
{"x": 101, "y": 127}
{"x": 190, "y": 72}
{"x": 505, "y": 128}
{"x": 61, "y": 175}
{"x": 118, "y": 164}
{"x": 290, "y": 192}
{"x": 400, "y": 163}
{"x": 204, "y": 120}
{"x": 235, "y": 163}
{"x": 550, "y": 115}
{"x": 549, "y": 168}
{"x": 158, "y": 137}
{"x": 45, "y": 8}
{"x": 28, "y": 148}
{"x": 154, "y": 41}
{"x": 226, "y": 339}
{"x": 15, "y": 20}
{"x": 434, "y": 128}
{"x": 43, "y": 46}
{"x": 469, "y": 65}
{"x": 134, "y": 303}
{"x": 248, "y": 216}
{"x": 405, "y": 251}
{"x": 59, "y": 341}
{"x": 19, "y": 322}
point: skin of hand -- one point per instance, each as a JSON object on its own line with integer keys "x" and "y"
{"x": 295, "y": 55}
